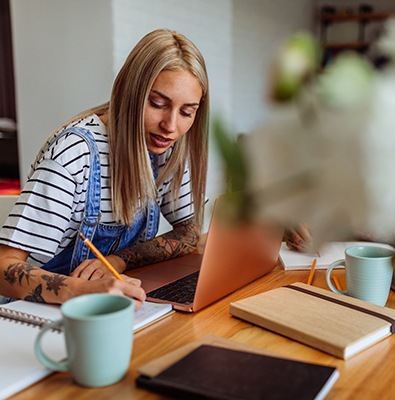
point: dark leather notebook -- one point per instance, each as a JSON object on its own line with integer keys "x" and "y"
{"x": 211, "y": 372}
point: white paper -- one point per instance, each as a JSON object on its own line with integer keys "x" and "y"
{"x": 19, "y": 366}
{"x": 329, "y": 253}
{"x": 148, "y": 313}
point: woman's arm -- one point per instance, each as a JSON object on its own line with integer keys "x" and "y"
{"x": 182, "y": 240}
{"x": 21, "y": 280}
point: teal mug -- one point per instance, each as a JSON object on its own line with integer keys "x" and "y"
{"x": 98, "y": 330}
{"x": 368, "y": 273}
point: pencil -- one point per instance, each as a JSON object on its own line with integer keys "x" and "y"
{"x": 308, "y": 231}
{"x": 337, "y": 283}
{"x": 312, "y": 272}
{"x": 100, "y": 257}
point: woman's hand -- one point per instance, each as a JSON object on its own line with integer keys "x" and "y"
{"x": 101, "y": 280}
{"x": 298, "y": 238}
{"x": 94, "y": 269}
{"x": 131, "y": 288}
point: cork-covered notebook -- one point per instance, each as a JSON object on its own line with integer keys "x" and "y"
{"x": 333, "y": 323}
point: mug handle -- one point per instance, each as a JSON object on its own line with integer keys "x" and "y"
{"x": 56, "y": 366}
{"x": 328, "y": 276}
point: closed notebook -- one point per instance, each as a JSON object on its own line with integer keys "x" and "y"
{"x": 211, "y": 372}
{"x": 337, "y": 324}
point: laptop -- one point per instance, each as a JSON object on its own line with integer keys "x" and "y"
{"x": 234, "y": 255}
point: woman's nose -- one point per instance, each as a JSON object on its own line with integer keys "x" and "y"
{"x": 169, "y": 122}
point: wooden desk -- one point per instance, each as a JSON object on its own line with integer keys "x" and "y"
{"x": 368, "y": 375}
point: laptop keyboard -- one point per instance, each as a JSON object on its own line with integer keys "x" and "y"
{"x": 180, "y": 291}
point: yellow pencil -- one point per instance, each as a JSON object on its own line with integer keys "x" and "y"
{"x": 337, "y": 283}
{"x": 101, "y": 257}
{"x": 312, "y": 272}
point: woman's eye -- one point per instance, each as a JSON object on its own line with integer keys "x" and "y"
{"x": 156, "y": 105}
{"x": 189, "y": 112}
{"x": 186, "y": 114}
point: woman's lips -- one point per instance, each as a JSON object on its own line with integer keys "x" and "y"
{"x": 160, "y": 141}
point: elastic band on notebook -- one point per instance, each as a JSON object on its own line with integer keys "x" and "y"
{"x": 343, "y": 303}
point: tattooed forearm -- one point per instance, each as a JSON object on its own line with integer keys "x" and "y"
{"x": 182, "y": 240}
{"x": 186, "y": 233}
{"x": 35, "y": 295}
{"x": 131, "y": 258}
{"x": 54, "y": 282}
{"x": 153, "y": 251}
{"x": 22, "y": 273}
{"x": 18, "y": 271}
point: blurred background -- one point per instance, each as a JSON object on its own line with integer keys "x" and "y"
{"x": 58, "y": 58}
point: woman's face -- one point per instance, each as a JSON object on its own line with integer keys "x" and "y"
{"x": 171, "y": 109}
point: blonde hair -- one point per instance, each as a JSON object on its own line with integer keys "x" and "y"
{"x": 132, "y": 181}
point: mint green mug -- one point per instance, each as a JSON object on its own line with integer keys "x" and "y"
{"x": 98, "y": 330}
{"x": 368, "y": 273}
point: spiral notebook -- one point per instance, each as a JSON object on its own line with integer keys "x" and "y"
{"x": 20, "y": 322}
{"x": 19, "y": 367}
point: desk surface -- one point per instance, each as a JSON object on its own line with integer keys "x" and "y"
{"x": 368, "y": 375}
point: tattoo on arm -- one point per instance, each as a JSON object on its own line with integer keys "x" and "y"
{"x": 18, "y": 271}
{"x": 35, "y": 295}
{"x": 54, "y": 282}
{"x": 182, "y": 240}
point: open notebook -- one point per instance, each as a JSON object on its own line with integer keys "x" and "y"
{"x": 234, "y": 255}
{"x": 19, "y": 367}
{"x": 328, "y": 253}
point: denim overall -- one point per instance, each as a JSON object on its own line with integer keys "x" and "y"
{"x": 106, "y": 237}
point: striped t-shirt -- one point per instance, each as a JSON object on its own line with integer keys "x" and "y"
{"x": 47, "y": 215}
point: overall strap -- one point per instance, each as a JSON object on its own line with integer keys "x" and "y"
{"x": 92, "y": 213}
{"x": 152, "y": 207}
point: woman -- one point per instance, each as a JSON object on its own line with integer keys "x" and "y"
{"x": 108, "y": 173}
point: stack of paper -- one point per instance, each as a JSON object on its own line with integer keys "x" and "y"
{"x": 328, "y": 253}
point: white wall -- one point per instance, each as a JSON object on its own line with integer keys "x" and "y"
{"x": 259, "y": 28}
{"x": 63, "y": 64}
{"x": 208, "y": 24}
{"x": 67, "y": 54}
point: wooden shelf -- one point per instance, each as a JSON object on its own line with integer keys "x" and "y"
{"x": 346, "y": 45}
{"x": 355, "y": 17}
{"x": 360, "y": 45}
